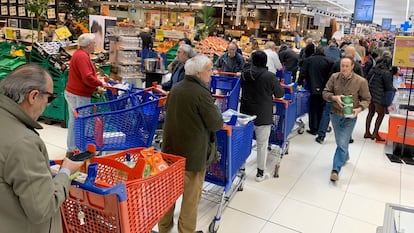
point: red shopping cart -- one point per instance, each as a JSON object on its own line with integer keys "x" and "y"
{"x": 114, "y": 197}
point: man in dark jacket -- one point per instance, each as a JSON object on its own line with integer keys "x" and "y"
{"x": 332, "y": 52}
{"x": 230, "y": 61}
{"x": 190, "y": 125}
{"x": 289, "y": 59}
{"x": 259, "y": 87}
{"x": 184, "y": 52}
{"x": 315, "y": 71}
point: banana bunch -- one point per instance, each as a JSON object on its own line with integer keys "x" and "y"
{"x": 17, "y": 53}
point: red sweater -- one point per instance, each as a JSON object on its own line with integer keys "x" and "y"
{"x": 82, "y": 79}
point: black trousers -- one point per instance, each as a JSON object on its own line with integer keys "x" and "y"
{"x": 317, "y": 103}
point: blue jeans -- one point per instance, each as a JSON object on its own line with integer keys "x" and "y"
{"x": 324, "y": 123}
{"x": 343, "y": 128}
{"x": 73, "y": 101}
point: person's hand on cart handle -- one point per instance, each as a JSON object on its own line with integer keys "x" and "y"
{"x": 72, "y": 166}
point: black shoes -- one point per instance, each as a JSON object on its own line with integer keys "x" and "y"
{"x": 351, "y": 140}
{"x": 311, "y": 132}
{"x": 320, "y": 139}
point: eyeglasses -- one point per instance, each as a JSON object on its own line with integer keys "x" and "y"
{"x": 51, "y": 96}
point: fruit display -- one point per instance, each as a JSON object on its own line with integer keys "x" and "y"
{"x": 211, "y": 45}
{"x": 165, "y": 46}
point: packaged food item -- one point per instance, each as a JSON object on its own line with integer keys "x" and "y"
{"x": 154, "y": 162}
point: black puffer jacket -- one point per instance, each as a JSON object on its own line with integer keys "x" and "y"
{"x": 315, "y": 70}
{"x": 380, "y": 82}
{"x": 380, "y": 85}
{"x": 259, "y": 87}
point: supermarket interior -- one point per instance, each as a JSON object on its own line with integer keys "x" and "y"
{"x": 137, "y": 46}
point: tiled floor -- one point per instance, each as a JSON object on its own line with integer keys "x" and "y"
{"x": 303, "y": 199}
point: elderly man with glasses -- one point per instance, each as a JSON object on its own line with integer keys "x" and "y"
{"x": 30, "y": 195}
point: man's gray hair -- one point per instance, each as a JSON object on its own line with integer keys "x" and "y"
{"x": 270, "y": 45}
{"x": 188, "y": 50}
{"x": 196, "y": 64}
{"x": 86, "y": 39}
{"x": 23, "y": 80}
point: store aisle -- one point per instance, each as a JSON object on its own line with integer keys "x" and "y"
{"x": 303, "y": 199}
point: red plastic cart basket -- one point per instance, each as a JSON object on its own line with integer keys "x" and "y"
{"x": 114, "y": 198}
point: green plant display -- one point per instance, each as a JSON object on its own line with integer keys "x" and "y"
{"x": 38, "y": 10}
{"x": 208, "y": 22}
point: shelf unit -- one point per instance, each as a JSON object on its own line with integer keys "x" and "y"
{"x": 125, "y": 49}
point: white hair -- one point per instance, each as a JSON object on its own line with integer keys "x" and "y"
{"x": 86, "y": 39}
{"x": 196, "y": 64}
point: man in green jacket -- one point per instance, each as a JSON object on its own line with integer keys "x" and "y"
{"x": 30, "y": 196}
{"x": 191, "y": 122}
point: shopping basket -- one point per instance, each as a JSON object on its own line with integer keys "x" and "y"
{"x": 226, "y": 91}
{"x": 114, "y": 198}
{"x": 284, "y": 117}
{"x": 302, "y": 100}
{"x": 284, "y": 76}
{"x": 234, "y": 145}
{"x": 119, "y": 124}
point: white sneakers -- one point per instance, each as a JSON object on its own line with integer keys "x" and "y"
{"x": 262, "y": 178}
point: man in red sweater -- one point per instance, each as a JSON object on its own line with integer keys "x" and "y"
{"x": 82, "y": 83}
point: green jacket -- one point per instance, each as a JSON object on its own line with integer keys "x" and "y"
{"x": 30, "y": 197}
{"x": 190, "y": 120}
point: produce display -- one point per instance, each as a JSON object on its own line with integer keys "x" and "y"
{"x": 163, "y": 47}
{"x": 211, "y": 45}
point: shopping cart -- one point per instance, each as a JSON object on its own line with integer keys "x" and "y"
{"x": 284, "y": 117}
{"x": 114, "y": 197}
{"x": 234, "y": 147}
{"x": 119, "y": 124}
{"x": 302, "y": 108}
{"x": 225, "y": 90}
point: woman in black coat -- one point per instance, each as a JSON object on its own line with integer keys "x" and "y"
{"x": 380, "y": 87}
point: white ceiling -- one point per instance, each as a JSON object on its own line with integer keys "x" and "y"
{"x": 395, "y": 9}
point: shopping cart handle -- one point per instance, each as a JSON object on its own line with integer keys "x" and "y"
{"x": 222, "y": 73}
{"x": 119, "y": 190}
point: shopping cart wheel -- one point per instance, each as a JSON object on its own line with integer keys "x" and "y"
{"x": 212, "y": 227}
{"x": 329, "y": 129}
{"x": 301, "y": 129}
{"x": 286, "y": 150}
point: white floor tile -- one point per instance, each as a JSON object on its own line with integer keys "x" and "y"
{"x": 256, "y": 202}
{"x": 303, "y": 217}
{"x": 344, "y": 224}
{"x": 272, "y": 228}
{"x": 363, "y": 209}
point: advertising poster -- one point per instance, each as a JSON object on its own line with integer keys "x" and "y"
{"x": 189, "y": 22}
{"x": 97, "y": 26}
{"x": 155, "y": 19}
{"x": 403, "y": 51}
{"x": 110, "y": 24}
